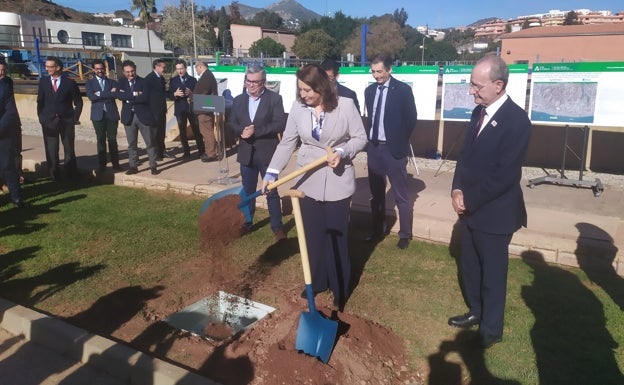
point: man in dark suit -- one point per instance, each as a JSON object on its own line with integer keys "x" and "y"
{"x": 391, "y": 119}
{"x": 137, "y": 116}
{"x": 181, "y": 89}
{"x": 9, "y": 123}
{"x": 333, "y": 71}
{"x": 487, "y": 197}
{"x": 158, "y": 104}
{"x": 104, "y": 114}
{"x": 59, "y": 106}
{"x": 258, "y": 118}
{"x": 206, "y": 85}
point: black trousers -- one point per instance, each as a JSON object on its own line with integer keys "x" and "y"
{"x": 327, "y": 235}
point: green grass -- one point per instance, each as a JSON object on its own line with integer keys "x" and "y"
{"x": 80, "y": 242}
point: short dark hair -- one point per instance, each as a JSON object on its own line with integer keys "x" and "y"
{"x": 180, "y": 61}
{"x": 383, "y": 58}
{"x": 157, "y": 62}
{"x": 98, "y": 61}
{"x": 128, "y": 63}
{"x": 56, "y": 60}
{"x": 330, "y": 65}
{"x": 316, "y": 77}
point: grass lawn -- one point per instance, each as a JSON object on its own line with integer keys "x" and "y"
{"x": 81, "y": 241}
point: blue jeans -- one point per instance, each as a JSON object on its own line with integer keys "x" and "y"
{"x": 249, "y": 175}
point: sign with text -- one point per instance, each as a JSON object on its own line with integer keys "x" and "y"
{"x": 577, "y": 93}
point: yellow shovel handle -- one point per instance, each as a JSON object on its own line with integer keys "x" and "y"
{"x": 303, "y": 246}
{"x": 300, "y": 171}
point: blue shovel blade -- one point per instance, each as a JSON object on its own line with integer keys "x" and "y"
{"x": 316, "y": 335}
{"x": 243, "y": 207}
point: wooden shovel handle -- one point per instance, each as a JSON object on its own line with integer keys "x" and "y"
{"x": 300, "y": 171}
{"x": 303, "y": 246}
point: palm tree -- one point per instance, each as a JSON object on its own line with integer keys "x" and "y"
{"x": 146, "y": 8}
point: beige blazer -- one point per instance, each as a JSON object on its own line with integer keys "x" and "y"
{"x": 342, "y": 129}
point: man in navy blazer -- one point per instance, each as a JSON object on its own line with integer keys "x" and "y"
{"x": 137, "y": 116}
{"x": 258, "y": 119}
{"x": 391, "y": 120}
{"x": 59, "y": 105}
{"x": 181, "y": 89}
{"x": 487, "y": 196}
{"x": 104, "y": 114}
{"x": 333, "y": 71}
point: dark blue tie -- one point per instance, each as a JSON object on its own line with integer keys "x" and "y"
{"x": 375, "y": 138}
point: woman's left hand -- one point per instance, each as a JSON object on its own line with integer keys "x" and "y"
{"x": 333, "y": 160}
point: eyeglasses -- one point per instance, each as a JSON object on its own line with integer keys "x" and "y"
{"x": 254, "y": 82}
{"x": 478, "y": 88}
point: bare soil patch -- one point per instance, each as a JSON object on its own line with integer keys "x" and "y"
{"x": 364, "y": 353}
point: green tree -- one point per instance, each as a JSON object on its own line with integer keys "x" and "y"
{"x": 314, "y": 44}
{"x": 225, "y": 35}
{"x": 180, "y": 40}
{"x": 385, "y": 37}
{"x": 146, "y": 8}
{"x": 400, "y": 17}
{"x": 235, "y": 15}
{"x": 267, "y": 19}
{"x": 340, "y": 27}
{"x": 266, "y": 47}
{"x": 571, "y": 18}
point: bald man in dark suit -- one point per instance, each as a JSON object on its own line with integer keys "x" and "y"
{"x": 487, "y": 196}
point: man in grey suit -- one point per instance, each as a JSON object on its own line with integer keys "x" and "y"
{"x": 104, "y": 114}
{"x": 137, "y": 117}
{"x": 258, "y": 119}
{"x": 391, "y": 118}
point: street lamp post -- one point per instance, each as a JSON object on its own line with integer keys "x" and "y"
{"x": 422, "y": 57}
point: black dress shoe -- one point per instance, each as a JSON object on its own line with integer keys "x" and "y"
{"x": 20, "y": 204}
{"x": 117, "y": 167}
{"x": 132, "y": 171}
{"x": 403, "y": 243}
{"x": 154, "y": 171}
{"x": 464, "y": 321}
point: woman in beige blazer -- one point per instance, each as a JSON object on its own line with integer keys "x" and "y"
{"x": 320, "y": 119}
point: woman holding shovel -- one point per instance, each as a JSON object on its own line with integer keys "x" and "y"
{"x": 321, "y": 120}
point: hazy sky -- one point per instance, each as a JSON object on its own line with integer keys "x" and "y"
{"x": 437, "y": 14}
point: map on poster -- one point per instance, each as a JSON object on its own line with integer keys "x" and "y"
{"x": 577, "y": 93}
{"x": 457, "y": 103}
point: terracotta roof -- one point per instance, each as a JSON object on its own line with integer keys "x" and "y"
{"x": 568, "y": 30}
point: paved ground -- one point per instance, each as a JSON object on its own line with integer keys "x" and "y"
{"x": 562, "y": 221}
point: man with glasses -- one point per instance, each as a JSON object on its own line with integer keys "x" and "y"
{"x": 104, "y": 114}
{"x": 207, "y": 85}
{"x": 487, "y": 197}
{"x": 181, "y": 89}
{"x": 258, "y": 119}
{"x": 59, "y": 105}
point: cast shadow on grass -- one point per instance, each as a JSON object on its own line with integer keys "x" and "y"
{"x": 443, "y": 372}
{"x": 595, "y": 254}
{"x": 570, "y": 337}
{"x": 40, "y": 197}
{"x": 10, "y": 261}
{"x": 32, "y": 290}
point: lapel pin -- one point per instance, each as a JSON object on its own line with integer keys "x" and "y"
{"x": 494, "y": 123}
